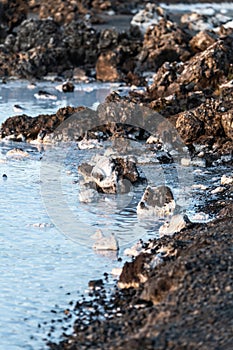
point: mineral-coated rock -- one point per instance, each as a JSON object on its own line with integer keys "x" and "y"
{"x": 110, "y": 175}
{"x": 156, "y": 201}
{"x": 176, "y": 224}
{"x": 150, "y": 15}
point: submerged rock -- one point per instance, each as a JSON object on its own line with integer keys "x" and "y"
{"x": 103, "y": 242}
{"x": 17, "y": 153}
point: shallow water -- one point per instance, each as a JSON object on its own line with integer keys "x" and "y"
{"x": 45, "y": 233}
{"x": 39, "y": 265}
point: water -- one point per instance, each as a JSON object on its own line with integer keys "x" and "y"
{"x": 39, "y": 264}
{"x": 45, "y": 264}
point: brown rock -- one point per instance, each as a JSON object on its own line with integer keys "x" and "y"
{"x": 227, "y": 123}
{"x": 163, "y": 42}
{"x": 189, "y": 126}
{"x": 13, "y": 12}
{"x": 106, "y": 67}
{"x": 206, "y": 70}
{"x": 202, "y": 41}
{"x": 31, "y": 127}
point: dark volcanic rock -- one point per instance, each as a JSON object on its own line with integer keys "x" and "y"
{"x": 163, "y": 42}
{"x": 13, "y": 12}
{"x": 185, "y": 302}
{"x": 33, "y": 33}
{"x": 80, "y": 43}
{"x": 206, "y": 70}
{"x": 30, "y": 128}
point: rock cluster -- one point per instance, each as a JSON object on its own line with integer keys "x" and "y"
{"x": 178, "y": 291}
{"x": 25, "y": 128}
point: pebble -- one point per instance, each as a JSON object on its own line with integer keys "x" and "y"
{"x": 218, "y": 190}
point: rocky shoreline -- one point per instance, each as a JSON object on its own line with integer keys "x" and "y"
{"x": 177, "y": 293}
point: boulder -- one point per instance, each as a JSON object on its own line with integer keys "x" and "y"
{"x": 204, "y": 71}
{"x": 156, "y": 201}
{"x": 31, "y": 128}
{"x": 163, "y": 42}
{"x": 202, "y": 40}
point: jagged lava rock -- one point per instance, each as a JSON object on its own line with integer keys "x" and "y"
{"x": 206, "y": 70}
{"x": 31, "y": 127}
{"x": 163, "y": 42}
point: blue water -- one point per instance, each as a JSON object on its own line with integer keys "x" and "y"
{"x": 41, "y": 265}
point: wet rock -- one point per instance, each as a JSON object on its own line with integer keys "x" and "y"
{"x": 176, "y": 224}
{"x": 32, "y": 127}
{"x": 17, "y": 153}
{"x": 163, "y": 42}
{"x": 134, "y": 273}
{"x": 104, "y": 242}
{"x": 197, "y": 22}
{"x": 156, "y": 201}
{"x": 150, "y": 15}
{"x": 96, "y": 284}
{"x": 226, "y": 180}
{"x": 110, "y": 175}
{"x": 205, "y": 21}
{"x": 68, "y": 87}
